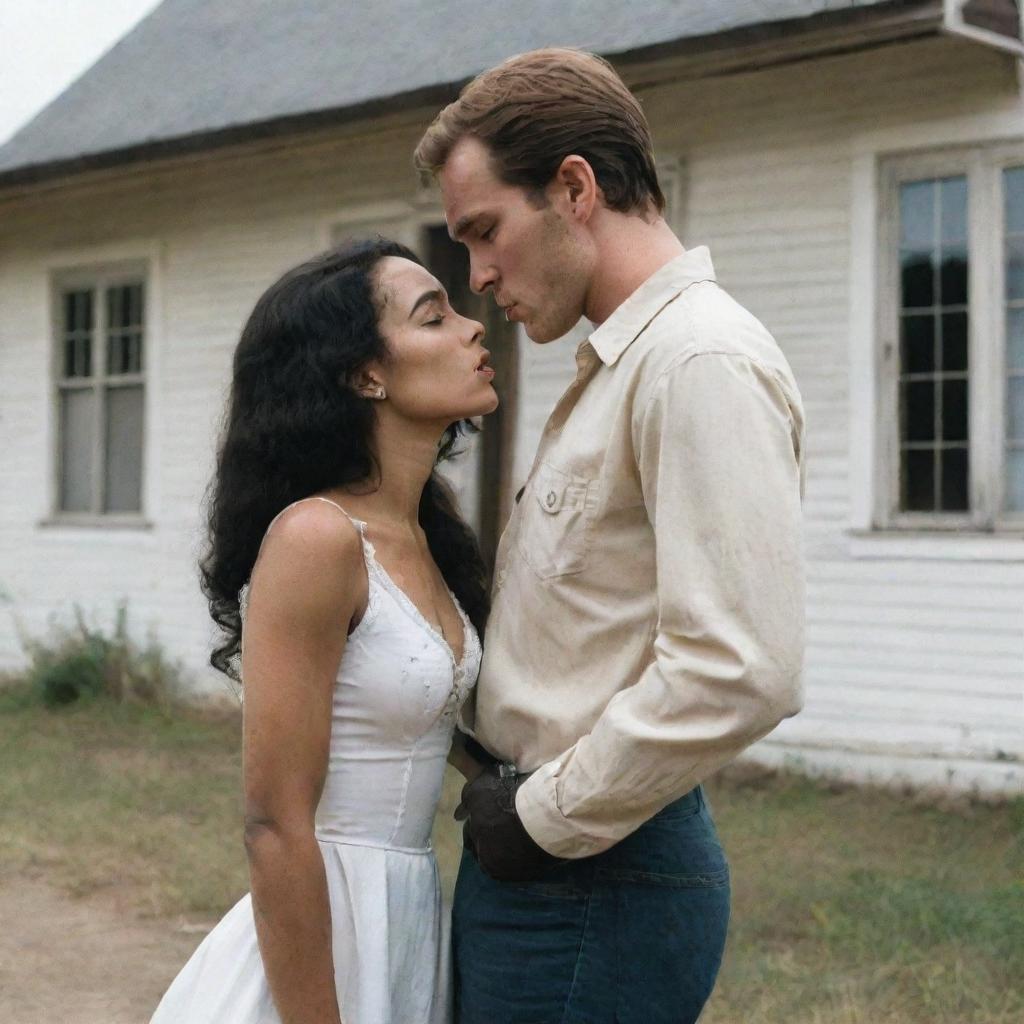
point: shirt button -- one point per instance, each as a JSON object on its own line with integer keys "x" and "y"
{"x": 551, "y": 499}
{"x": 502, "y": 576}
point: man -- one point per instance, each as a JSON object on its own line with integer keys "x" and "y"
{"x": 648, "y": 599}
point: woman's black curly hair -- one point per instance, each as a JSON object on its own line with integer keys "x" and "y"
{"x": 294, "y": 427}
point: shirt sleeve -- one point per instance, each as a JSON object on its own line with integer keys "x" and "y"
{"x": 718, "y": 452}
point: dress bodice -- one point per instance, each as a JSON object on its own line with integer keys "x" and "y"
{"x": 396, "y": 698}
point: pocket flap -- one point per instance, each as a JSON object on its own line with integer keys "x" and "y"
{"x": 556, "y": 490}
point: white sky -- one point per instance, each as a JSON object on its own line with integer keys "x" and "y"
{"x": 46, "y": 44}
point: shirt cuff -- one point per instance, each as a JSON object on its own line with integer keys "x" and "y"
{"x": 538, "y": 810}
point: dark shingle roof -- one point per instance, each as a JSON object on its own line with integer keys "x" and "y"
{"x": 203, "y": 70}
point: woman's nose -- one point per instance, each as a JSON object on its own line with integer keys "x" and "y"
{"x": 477, "y": 331}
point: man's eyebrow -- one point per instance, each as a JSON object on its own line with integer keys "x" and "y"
{"x": 432, "y": 296}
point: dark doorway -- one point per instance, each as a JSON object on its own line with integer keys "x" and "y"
{"x": 449, "y": 262}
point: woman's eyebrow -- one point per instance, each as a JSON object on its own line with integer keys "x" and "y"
{"x": 436, "y": 295}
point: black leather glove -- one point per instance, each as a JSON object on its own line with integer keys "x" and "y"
{"x": 493, "y": 831}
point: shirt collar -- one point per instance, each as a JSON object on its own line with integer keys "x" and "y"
{"x": 628, "y": 321}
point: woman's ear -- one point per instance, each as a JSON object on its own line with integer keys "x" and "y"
{"x": 366, "y": 384}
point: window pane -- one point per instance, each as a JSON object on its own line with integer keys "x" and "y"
{"x": 954, "y": 341}
{"x": 124, "y": 306}
{"x": 917, "y": 276}
{"x": 124, "y": 329}
{"x": 954, "y": 410}
{"x": 953, "y": 277}
{"x": 1015, "y": 339}
{"x": 115, "y": 317}
{"x": 934, "y": 354}
{"x": 1015, "y": 268}
{"x": 918, "y": 348}
{"x": 69, "y": 311}
{"x": 918, "y": 483}
{"x": 918, "y": 411}
{"x": 954, "y": 480}
{"x": 1015, "y": 480}
{"x": 77, "y": 333}
{"x": 917, "y": 215}
{"x": 78, "y": 310}
{"x": 124, "y": 449}
{"x": 1015, "y": 409}
{"x": 70, "y": 354}
{"x": 954, "y": 209}
{"x": 77, "y": 434}
{"x": 1013, "y": 198}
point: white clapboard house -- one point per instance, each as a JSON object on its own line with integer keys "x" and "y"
{"x": 856, "y": 168}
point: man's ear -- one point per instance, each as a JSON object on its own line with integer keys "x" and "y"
{"x": 576, "y": 185}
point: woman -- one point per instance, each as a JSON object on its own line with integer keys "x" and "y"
{"x": 363, "y": 597}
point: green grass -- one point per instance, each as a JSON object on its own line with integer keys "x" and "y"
{"x": 849, "y": 906}
{"x": 856, "y": 906}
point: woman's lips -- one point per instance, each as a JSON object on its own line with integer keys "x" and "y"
{"x": 486, "y": 372}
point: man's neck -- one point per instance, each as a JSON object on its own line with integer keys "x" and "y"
{"x": 630, "y": 249}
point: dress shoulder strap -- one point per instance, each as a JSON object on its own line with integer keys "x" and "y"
{"x": 316, "y": 497}
{"x": 360, "y": 525}
{"x": 369, "y": 556}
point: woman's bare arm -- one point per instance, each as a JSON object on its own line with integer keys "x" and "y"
{"x": 307, "y": 585}
{"x": 462, "y": 760}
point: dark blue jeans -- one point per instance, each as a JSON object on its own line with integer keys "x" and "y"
{"x": 633, "y": 935}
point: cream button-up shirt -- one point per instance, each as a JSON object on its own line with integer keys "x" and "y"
{"x": 647, "y": 619}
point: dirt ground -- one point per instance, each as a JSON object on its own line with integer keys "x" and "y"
{"x": 89, "y": 961}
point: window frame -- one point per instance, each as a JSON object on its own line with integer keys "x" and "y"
{"x": 98, "y": 278}
{"x": 983, "y": 166}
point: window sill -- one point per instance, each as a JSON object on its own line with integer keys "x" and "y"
{"x": 90, "y": 522}
{"x": 937, "y": 546}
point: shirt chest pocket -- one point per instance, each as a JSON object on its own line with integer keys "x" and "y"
{"x": 553, "y": 533}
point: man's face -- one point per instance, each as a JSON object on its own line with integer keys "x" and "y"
{"x": 534, "y": 258}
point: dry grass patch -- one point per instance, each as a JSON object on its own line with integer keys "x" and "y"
{"x": 850, "y": 906}
{"x": 120, "y": 797}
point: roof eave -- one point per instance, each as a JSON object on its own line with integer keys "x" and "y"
{"x": 748, "y": 48}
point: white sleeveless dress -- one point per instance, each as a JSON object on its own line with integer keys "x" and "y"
{"x": 395, "y": 702}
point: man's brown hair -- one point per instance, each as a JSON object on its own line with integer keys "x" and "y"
{"x": 535, "y": 109}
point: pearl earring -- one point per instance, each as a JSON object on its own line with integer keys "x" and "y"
{"x": 380, "y": 392}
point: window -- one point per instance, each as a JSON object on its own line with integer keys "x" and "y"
{"x": 100, "y": 380}
{"x": 952, "y": 330}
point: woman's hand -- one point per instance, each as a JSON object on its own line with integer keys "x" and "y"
{"x": 461, "y": 759}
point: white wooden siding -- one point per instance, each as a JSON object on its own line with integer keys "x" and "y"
{"x": 915, "y": 665}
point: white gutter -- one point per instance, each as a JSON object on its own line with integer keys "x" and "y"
{"x": 953, "y": 23}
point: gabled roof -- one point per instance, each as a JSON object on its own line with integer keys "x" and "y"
{"x": 200, "y": 73}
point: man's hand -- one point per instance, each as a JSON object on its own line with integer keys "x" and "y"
{"x": 503, "y": 847}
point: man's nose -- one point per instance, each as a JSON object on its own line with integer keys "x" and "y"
{"x": 481, "y": 278}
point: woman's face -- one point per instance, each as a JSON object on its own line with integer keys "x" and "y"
{"x": 437, "y": 369}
